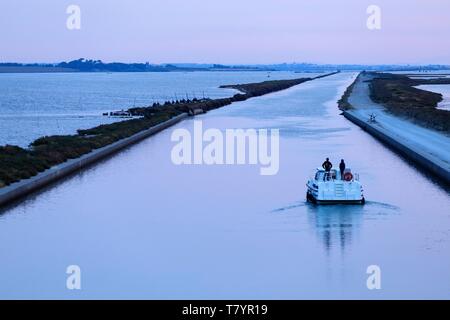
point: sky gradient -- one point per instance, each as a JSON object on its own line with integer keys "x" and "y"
{"x": 229, "y": 32}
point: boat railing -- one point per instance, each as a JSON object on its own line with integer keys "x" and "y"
{"x": 329, "y": 176}
{"x": 333, "y": 176}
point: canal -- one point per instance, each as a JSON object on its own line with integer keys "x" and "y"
{"x": 139, "y": 226}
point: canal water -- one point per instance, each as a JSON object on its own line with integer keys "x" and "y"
{"x": 139, "y": 226}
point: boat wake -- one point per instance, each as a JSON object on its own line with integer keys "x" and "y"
{"x": 372, "y": 204}
{"x": 293, "y": 206}
{"x": 382, "y": 205}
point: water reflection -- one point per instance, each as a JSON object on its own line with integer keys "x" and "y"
{"x": 335, "y": 225}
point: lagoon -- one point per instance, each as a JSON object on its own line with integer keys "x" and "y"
{"x": 37, "y": 104}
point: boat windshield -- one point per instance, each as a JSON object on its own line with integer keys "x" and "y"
{"x": 321, "y": 175}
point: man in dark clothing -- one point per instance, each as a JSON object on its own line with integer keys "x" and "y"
{"x": 342, "y": 168}
{"x": 327, "y": 165}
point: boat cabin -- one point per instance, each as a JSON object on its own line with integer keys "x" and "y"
{"x": 334, "y": 174}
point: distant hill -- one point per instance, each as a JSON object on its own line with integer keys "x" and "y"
{"x": 85, "y": 65}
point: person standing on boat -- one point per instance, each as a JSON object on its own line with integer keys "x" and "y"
{"x": 342, "y": 168}
{"x": 327, "y": 165}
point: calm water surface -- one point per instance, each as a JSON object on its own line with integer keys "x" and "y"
{"x": 141, "y": 227}
{"x": 34, "y": 105}
{"x": 443, "y": 89}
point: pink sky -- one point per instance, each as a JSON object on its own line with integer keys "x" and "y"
{"x": 212, "y": 31}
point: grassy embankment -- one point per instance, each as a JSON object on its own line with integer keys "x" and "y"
{"x": 343, "y": 103}
{"x": 17, "y": 163}
{"x": 398, "y": 95}
{"x": 261, "y": 88}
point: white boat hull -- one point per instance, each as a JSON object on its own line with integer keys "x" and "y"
{"x": 334, "y": 191}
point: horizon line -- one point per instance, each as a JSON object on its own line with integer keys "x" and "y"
{"x": 240, "y": 64}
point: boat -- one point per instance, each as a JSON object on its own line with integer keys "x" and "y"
{"x": 120, "y": 114}
{"x": 332, "y": 187}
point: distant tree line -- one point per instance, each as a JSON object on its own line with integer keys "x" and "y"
{"x": 88, "y": 65}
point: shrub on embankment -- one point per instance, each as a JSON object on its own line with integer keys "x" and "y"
{"x": 261, "y": 88}
{"x": 398, "y": 94}
{"x": 18, "y": 163}
{"x": 343, "y": 103}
